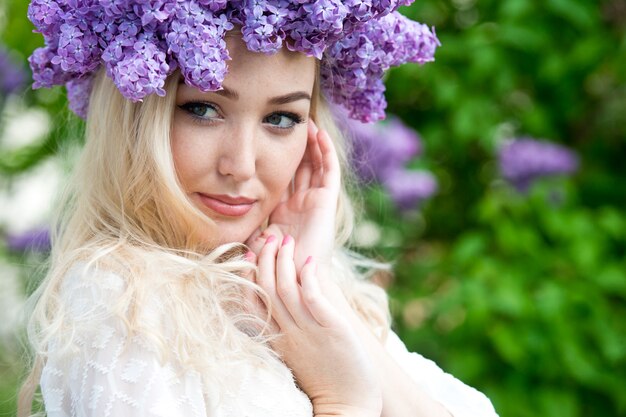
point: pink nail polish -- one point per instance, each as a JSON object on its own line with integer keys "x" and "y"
{"x": 270, "y": 239}
{"x": 249, "y": 256}
{"x": 308, "y": 260}
{"x": 286, "y": 240}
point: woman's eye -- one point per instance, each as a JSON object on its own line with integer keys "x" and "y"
{"x": 201, "y": 110}
{"x": 283, "y": 120}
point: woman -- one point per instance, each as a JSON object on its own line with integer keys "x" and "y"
{"x": 199, "y": 267}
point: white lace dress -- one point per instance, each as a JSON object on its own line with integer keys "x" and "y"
{"x": 107, "y": 376}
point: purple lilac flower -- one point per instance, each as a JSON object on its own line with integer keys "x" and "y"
{"x": 524, "y": 160}
{"x": 78, "y": 95}
{"x": 380, "y": 153}
{"x": 360, "y": 59}
{"x": 409, "y": 188}
{"x": 141, "y": 42}
{"x": 36, "y": 240}
{"x": 12, "y": 76}
{"x": 381, "y": 149}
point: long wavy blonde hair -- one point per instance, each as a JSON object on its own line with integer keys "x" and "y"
{"x": 125, "y": 212}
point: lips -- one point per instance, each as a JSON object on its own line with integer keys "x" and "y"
{"x": 227, "y": 205}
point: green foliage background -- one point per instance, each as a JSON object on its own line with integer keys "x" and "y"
{"x": 521, "y": 296}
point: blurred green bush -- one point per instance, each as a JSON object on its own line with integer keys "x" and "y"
{"x": 520, "y": 295}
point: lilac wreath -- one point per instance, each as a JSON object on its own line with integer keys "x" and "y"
{"x": 141, "y": 42}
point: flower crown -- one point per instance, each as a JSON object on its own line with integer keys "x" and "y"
{"x": 141, "y": 42}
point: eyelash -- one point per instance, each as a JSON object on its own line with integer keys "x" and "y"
{"x": 187, "y": 107}
{"x": 295, "y": 118}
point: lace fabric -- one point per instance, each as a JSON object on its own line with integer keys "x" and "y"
{"x": 109, "y": 374}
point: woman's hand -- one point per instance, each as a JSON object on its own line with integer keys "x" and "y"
{"x": 308, "y": 210}
{"x": 315, "y": 340}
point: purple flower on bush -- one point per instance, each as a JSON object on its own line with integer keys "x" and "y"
{"x": 409, "y": 188}
{"x": 380, "y": 149}
{"x": 524, "y": 160}
{"x": 12, "y": 76}
{"x": 380, "y": 153}
{"x": 36, "y": 240}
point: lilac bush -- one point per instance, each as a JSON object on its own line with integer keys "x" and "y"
{"x": 141, "y": 42}
{"x": 524, "y": 160}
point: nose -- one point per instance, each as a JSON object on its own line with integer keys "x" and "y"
{"x": 238, "y": 157}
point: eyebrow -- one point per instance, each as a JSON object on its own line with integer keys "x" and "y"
{"x": 288, "y": 98}
{"x": 284, "y": 99}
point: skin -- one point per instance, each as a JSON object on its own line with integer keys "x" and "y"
{"x": 230, "y": 144}
{"x": 241, "y": 143}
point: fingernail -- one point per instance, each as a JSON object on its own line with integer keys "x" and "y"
{"x": 270, "y": 239}
{"x": 286, "y": 240}
{"x": 249, "y": 256}
{"x": 308, "y": 260}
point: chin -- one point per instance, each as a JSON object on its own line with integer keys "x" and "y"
{"x": 233, "y": 233}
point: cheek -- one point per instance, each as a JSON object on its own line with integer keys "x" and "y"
{"x": 190, "y": 155}
{"x": 281, "y": 164}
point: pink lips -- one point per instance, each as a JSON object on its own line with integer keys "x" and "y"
{"x": 227, "y": 205}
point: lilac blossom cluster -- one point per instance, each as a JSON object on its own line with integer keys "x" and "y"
{"x": 524, "y": 160}
{"x": 141, "y": 42}
{"x": 12, "y": 76}
{"x": 380, "y": 153}
{"x": 354, "y": 66}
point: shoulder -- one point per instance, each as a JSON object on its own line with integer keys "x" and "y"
{"x": 89, "y": 311}
{"x": 85, "y": 288}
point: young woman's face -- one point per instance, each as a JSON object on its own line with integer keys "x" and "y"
{"x": 237, "y": 149}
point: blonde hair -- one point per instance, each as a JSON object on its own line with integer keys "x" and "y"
{"x": 125, "y": 212}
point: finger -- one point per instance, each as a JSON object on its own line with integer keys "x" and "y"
{"x": 302, "y": 178}
{"x": 255, "y": 242}
{"x": 254, "y": 303}
{"x": 266, "y": 267}
{"x": 273, "y": 230}
{"x": 266, "y": 279}
{"x": 318, "y": 305}
{"x": 287, "y": 193}
{"x": 287, "y": 284}
{"x": 257, "y": 303}
{"x": 312, "y": 127}
{"x": 249, "y": 274}
{"x": 330, "y": 161}
{"x": 317, "y": 162}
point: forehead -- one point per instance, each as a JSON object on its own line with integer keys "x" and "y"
{"x": 279, "y": 73}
